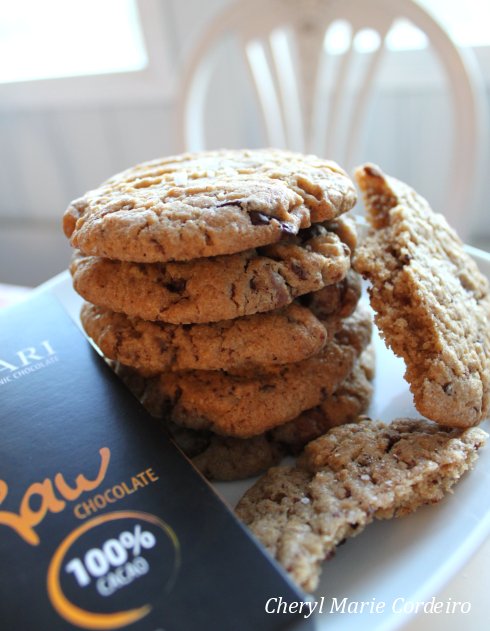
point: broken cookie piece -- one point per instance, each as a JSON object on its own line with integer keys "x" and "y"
{"x": 347, "y": 478}
{"x": 432, "y": 303}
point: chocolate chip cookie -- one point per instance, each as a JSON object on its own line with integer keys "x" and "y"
{"x": 277, "y": 337}
{"x": 222, "y": 287}
{"x": 348, "y": 477}
{"x": 252, "y": 342}
{"x": 242, "y": 406}
{"x": 432, "y": 303}
{"x": 224, "y": 458}
{"x": 206, "y": 204}
{"x": 227, "y": 458}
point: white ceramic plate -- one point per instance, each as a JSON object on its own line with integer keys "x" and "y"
{"x": 410, "y": 558}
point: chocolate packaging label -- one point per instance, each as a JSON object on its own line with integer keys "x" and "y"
{"x": 104, "y": 524}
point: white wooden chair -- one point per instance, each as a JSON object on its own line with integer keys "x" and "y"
{"x": 314, "y": 101}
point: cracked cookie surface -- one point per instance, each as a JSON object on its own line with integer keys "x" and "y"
{"x": 206, "y": 204}
{"x": 432, "y": 303}
{"x": 287, "y": 335}
{"x": 222, "y": 287}
{"x": 245, "y": 406}
{"x": 347, "y": 478}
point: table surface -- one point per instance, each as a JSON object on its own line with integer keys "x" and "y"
{"x": 469, "y": 585}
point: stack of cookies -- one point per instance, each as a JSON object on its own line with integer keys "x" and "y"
{"x": 220, "y": 286}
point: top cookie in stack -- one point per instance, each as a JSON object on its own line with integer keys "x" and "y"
{"x": 223, "y": 279}
{"x": 199, "y": 205}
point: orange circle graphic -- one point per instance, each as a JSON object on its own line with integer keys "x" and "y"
{"x": 88, "y": 619}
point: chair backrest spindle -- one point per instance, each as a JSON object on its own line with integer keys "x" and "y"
{"x": 314, "y": 99}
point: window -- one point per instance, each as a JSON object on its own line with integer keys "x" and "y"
{"x": 466, "y": 22}
{"x": 55, "y": 38}
{"x": 56, "y": 53}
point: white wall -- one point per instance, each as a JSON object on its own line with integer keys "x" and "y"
{"x": 50, "y": 155}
